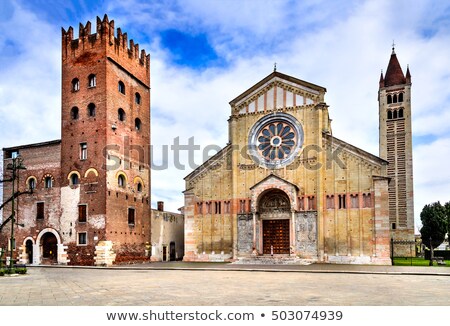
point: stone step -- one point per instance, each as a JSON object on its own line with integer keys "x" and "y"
{"x": 273, "y": 260}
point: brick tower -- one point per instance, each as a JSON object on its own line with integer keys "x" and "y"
{"x": 105, "y": 138}
{"x": 394, "y": 99}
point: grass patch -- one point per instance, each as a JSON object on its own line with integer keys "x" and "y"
{"x": 416, "y": 261}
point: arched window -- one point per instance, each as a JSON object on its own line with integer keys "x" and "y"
{"x": 75, "y": 85}
{"x": 395, "y": 114}
{"x": 48, "y": 182}
{"x": 389, "y": 99}
{"x": 137, "y": 124}
{"x": 121, "y": 87}
{"x": 121, "y": 181}
{"x": 400, "y": 113}
{"x": 400, "y": 97}
{"x": 137, "y": 98}
{"x": 91, "y": 110}
{"x": 139, "y": 187}
{"x": 74, "y": 113}
{"x": 74, "y": 180}
{"x": 394, "y": 99}
{"x": 92, "y": 80}
{"x": 121, "y": 114}
{"x": 31, "y": 184}
{"x": 389, "y": 115}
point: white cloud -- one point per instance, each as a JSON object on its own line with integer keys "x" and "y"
{"x": 339, "y": 45}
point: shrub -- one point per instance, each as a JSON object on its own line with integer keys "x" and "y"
{"x": 21, "y": 270}
{"x": 2, "y": 272}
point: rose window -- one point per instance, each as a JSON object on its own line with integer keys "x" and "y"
{"x": 276, "y": 141}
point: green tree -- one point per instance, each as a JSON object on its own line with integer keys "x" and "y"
{"x": 447, "y": 210}
{"x": 435, "y": 223}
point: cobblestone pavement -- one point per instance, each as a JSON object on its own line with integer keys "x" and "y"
{"x": 181, "y": 284}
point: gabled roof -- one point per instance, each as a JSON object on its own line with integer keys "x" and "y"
{"x": 280, "y": 75}
{"x": 355, "y": 150}
{"x": 276, "y": 177}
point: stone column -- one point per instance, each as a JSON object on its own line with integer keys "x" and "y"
{"x": 293, "y": 233}
{"x": 254, "y": 232}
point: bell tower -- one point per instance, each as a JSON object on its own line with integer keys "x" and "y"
{"x": 395, "y": 142}
{"x": 105, "y": 138}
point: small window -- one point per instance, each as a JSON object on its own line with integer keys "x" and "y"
{"x": 121, "y": 181}
{"x": 82, "y": 213}
{"x": 200, "y": 207}
{"x": 74, "y": 180}
{"x": 395, "y": 114}
{"x": 131, "y": 216}
{"x": 121, "y": 87}
{"x": 394, "y": 226}
{"x": 208, "y": 207}
{"x": 74, "y": 113}
{"x": 394, "y": 98}
{"x": 400, "y": 113}
{"x": 139, "y": 187}
{"x": 91, "y": 110}
{"x": 342, "y": 201}
{"x": 137, "y": 98}
{"x": 217, "y": 207}
{"x": 330, "y": 201}
{"x": 40, "y": 211}
{"x": 367, "y": 200}
{"x": 242, "y": 206}
{"x": 92, "y": 79}
{"x": 389, "y": 99}
{"x": 83, "y": 151}
{"x": 301, "y": 203}
{"x": 354, "y": 201}
{"x": 31, "y": 184}
{"x": 121, "y": 115}
{"x": 75, "y": 85}
{"x": 400, "y": 97}
{"x": 389, "y": 114}
{"x": 48, "y": 182}
{"x": 82, "y": 238}
{"x": 137, "y": 124}
{"x": 311, "y": 203}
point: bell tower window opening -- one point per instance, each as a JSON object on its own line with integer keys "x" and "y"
{"x": 389, "y": 99}
{"x": 395, "y": 115}
{"x": 400, "y": 97}
{"x": 83, "y": 151}
{"x": 121, "y": 114}
{"x": 74, "y": 113}
{"x": 394, "y": 98}
{"x": 137, "y": 124}
{"x": 75, "y": 85}
{"x": 121, "y": 87}
{"x": 32, "y": 184}
{"x": 139, "y": 187}
{"x": 92, "y": 81}
{"x": 400, "y": 113}
{"x": 131, "y": 216}
{"x": 389, "y": 114}
{"x": 137, "y": 98}
{"x": 91, "y": 110}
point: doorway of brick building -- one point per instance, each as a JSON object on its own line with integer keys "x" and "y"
{"x": 29, "y": 251}
{"x": 164, "y": 258}
{"x": 49, "y": 245}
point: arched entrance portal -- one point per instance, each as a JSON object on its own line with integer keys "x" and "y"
{"x": 49, "y": 245}
{"x": 275, "y": 212}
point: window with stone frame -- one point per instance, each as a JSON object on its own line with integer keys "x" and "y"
{"x": 83, "y": 151}
{"x": 48, "y": 182}
{"x": 200, "y": 207}
{"x": 92, "y": 81}
{"x": 82, "y": 239}
{"x": 311, "y": 203}
{"x": 342, "y": 201}
{"x": 367, "y": 200}
{"x": 82, "y": 213}
{"x": 75, "y": 85}
{"x": 218, "y": 207}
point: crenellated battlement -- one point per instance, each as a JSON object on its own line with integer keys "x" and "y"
{"x": 104, "y": 36}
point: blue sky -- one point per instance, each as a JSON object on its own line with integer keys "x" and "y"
{"x": 205, "y": 53}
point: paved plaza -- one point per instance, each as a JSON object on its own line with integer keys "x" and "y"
{"x": 182, "y": 284}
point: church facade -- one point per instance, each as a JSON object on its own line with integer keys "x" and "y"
{"x": 285, "y": 186}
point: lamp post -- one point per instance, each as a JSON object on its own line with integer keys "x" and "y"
{"x": 14, "y": 166}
